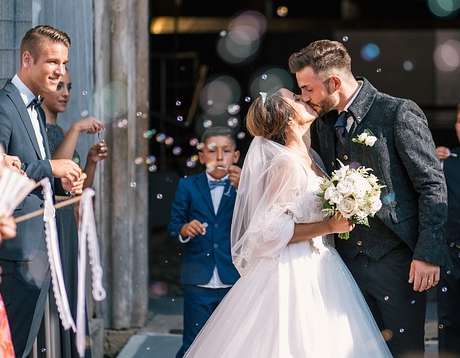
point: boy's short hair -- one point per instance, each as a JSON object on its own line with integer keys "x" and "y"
{"x": 218, "y": 132}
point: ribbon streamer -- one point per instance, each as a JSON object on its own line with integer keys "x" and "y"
{"x": 87, "y": 239}
{"x": 52, "y": 244}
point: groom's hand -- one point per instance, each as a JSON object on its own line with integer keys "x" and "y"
{"x": 423, "y": 275}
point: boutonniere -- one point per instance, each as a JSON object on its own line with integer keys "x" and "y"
{"x": 367, "y": 138}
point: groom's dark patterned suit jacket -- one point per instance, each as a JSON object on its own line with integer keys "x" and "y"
{"x": 403, "y": 158}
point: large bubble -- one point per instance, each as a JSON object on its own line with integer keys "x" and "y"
{"x": 447, "y": 56}
{"x": 218, "y": 94}
{"x": 243, "y": 38}
{"x": 443, "y": 8}
{"x": 370, "y": 51}
{"x": 270, "y": 80}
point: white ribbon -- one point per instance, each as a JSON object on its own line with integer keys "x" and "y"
{"x": 87, "y": 237}
{"x": 52, "y": 244}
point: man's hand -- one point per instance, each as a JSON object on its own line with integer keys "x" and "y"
{"x": 234, "y": 174}
{"x": 442, "y": 153}
{"x": 65, "y": 168}
{"x": 74, "y": 187}
{"x": 7, "y": 227}
{"x": 97, "y": 152}
{"x": 12, "y": 162}
{"x": 423, "y": 275}
{"x": 192, "y": 229}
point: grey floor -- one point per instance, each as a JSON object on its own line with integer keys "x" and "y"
{"x": 157, "y": 341}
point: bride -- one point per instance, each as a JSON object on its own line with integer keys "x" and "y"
{"x": 295, "y": 297}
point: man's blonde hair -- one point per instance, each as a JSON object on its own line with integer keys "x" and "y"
{"x": 35, "y": 36}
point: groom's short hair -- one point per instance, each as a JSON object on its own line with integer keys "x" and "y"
{"x": 321, "y": 56}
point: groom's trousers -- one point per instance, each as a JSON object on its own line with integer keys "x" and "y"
{"x": 398, "y": 310}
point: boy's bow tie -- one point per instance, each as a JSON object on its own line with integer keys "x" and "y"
{"x": 216, "y": 183}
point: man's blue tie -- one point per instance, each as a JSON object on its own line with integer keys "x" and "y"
{"x": 341, "y": 126}
{"x": 217, "y": 183}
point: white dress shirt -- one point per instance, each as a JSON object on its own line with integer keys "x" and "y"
{"x": 27, "y": 96}
{"x": 350, "y": 119}
{"x": 216, "y": 197}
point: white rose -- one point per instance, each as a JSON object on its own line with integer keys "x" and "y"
{"x": 345, "y": 186}
{"x": 370, "y": 141}
{"x": 362, "y": 137}
{"x": 332, "y": 195}
{"x": 360, "y": 185}
{"x": 376, "y": 205}
{"x": 348, "y": 207}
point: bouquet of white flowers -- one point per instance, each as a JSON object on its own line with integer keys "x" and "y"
{"x": 353, "y": 193}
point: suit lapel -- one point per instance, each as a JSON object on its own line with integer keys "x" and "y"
{"x": 361, "y": 105}
{"x": 15, "y": 97}
{"x": 203, "y": 188}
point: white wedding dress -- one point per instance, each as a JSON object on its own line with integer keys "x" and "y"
{"x": 292, "y": 300}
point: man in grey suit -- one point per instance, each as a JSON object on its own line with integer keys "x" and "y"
{"x": 26, "y": 275}
{"x": 399, "y": 257}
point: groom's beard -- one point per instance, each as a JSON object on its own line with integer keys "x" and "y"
{"x": 326, "y": 105}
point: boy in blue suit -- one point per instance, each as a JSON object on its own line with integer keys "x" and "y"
{"x": 201, "y": 218}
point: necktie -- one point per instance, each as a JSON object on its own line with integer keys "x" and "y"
{"x": 340, "y": 126}
{"x": 213, "y": 184}
{"x": 35, "y": 103}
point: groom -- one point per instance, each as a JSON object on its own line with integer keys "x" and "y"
{"x": 399, "y": 257}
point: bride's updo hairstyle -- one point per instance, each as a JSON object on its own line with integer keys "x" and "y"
{"x": 269, "y": 118}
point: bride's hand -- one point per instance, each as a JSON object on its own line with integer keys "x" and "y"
{"x": 338, "y": 224}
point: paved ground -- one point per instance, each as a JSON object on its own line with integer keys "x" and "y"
{"x": 157, "y": 339}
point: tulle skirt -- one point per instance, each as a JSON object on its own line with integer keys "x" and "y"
{"x": 304, "y": 303}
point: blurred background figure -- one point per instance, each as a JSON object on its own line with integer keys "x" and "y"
{"x": 449, "y": 286}
{"x": 62, "y": 146}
